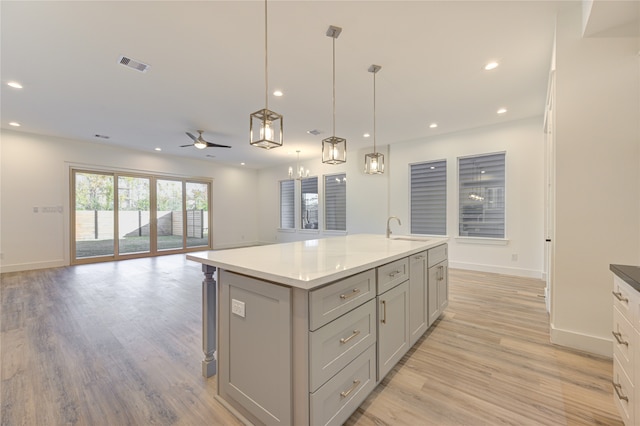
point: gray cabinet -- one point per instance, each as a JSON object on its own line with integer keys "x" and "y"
{"x": 438, "y": 289}
{"x": 393, "y": 327}
{"x": 418, "y": 296}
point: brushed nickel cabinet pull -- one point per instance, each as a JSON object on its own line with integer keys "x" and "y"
{"x": 619, "y": 296}
{"x": 394, "y": 273}
{"x": 618, "y": 337}
{"x": 355, "y": 333}
{"x": 346, "y": 393}
{"x": 618, "y": 388}
{"x": 353, "y": 293}
{"x": 384, "y": 312}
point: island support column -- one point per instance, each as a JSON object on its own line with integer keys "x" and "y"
{"x": 209, "y": 307}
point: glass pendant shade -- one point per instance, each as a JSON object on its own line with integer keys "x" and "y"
{"x": 334, "y": 150}
{"x": 374, "y": 163}
{"x": 266, "y": 129}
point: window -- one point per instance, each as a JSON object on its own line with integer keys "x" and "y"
{"x": 287, "y": 206}
{"x": 335, "y": 202}
{"x": 481, "y": 188}
{"x": 309, "y": 203}
{"x": 429, "y": 198}
{"x": 115, "y": 218}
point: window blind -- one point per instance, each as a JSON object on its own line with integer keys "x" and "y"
{"x": 309, "y": 203}
{"x": 481, "y": 182}
{"x": 428, "y": 187}
{"x": 287, "y": 207}
{"x": 335, "y": 202}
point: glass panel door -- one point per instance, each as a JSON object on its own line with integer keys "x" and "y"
{"x": 133, "y": 215}
{"x": 197, "y": 214}
{"x": 170, "y": 219}
{"x": 93, "y": 215}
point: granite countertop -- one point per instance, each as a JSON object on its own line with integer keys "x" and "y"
{"x": 312, "y": 263}
{"x": 629, "y": 274}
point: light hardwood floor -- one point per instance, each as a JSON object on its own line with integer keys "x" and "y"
{"x": 120, "y": 344}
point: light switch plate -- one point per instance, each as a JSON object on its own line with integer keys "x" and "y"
{"x": 237, "y": 307}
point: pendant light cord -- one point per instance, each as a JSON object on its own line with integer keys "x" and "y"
{"x": 334, "y": 86}
{"x": 266, "y": 73}
{"x": 374, "y": 113}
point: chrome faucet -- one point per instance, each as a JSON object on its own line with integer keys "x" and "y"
{"x": 388, "y": 223}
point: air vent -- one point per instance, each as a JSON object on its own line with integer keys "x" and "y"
{"x": 132, "y": 63}
{"x": 314, "y": 132}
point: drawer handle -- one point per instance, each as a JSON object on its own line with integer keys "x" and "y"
{"x": 618, "y": 388}
{"x": 384, "y": 312}
{"x": 355, "y": 333}
{"x": 441, "y": 274}
{"x": 353, "y": 293}
{"x": 353, "y": 387}
{"x": 619, "y": 296}
{"x": 419, "y": 257}
{"x": 618, "y": 337}
{"x": 394, "y": 273}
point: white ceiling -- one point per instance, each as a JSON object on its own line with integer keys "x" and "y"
{"x": 207, "y": 70}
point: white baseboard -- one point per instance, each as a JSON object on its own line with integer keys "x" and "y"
{"x": 19, "y": 267}
{"x": 584, "y": 342}
{"x": 518, "y": 272}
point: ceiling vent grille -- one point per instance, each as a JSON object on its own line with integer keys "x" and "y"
{"x": 132, "y": 63}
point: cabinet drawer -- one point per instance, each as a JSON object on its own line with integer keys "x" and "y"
{"x": 336, "y": 344}
{"x": 329, "y": 302}
{"x": 437, "y": 255}
{"x": 623, "y": 393}
{"x": 337, "y": 399}
{"x": 624, "y": 341}
{"x": 392, "y": 274}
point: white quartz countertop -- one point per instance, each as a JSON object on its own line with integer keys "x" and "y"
{"x": 312, "y": 263}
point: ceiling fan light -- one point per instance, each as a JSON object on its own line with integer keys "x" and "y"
{"x": 200, "y": 144}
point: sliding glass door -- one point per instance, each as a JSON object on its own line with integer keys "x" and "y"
{"x": 119, "y": 216}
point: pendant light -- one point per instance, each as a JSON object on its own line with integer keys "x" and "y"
{"x": 265, "y": 126}
{"x": 301, "y": 173}
{"x": 374, "y": 162}
{"x": 334, "y": 149}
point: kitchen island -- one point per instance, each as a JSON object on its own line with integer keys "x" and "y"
{"x": 306, "y": 330}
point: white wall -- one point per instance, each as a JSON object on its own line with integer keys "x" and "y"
{"x": 523, "y": 143}
{"x": 597, "y": 179}
{"x": 372, "y": 199}
{"x": 35, "y": 173}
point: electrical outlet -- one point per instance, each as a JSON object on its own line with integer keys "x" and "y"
{"x": 35, "y": 210}
{"x": 237, "y": 307}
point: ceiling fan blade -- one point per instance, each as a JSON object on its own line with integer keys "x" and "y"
{"x": 215, "y": 145}
{"x": 184, "y": 146}
{"x": 191, "y": 136}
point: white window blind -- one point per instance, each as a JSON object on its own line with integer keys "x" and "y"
{"x": 287, "y": 206}
{"x": 481, "y": 188}
{"x": 335, "y": 202}
{"x": 429, "y": 198}
{"x": 309, "y": 203}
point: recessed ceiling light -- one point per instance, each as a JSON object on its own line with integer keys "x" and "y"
{"x": 277, "y": 93}
{"x": 433, "y": 125}
{"x": 491, "y": 66}
{"x": 14, "y": 124}
{"x": 242, "y": 164}
{"x": 314, "y": 132}
{"x": 501, "y": 111}
{"x": 158, "y": 149}
{"x": 366, "y": 135}
{"x": 14, "y": 84}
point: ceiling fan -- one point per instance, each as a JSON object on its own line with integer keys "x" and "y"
{"x": 200, "y": 143}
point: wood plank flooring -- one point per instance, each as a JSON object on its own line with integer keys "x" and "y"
{"x": 120, "y": 344}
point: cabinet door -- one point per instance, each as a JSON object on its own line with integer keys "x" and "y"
{"x": 432, "y": 297}
{"x": 443, "y": 286}
{"x": 393, "y": 327}
{"x": 418, "y": 311}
